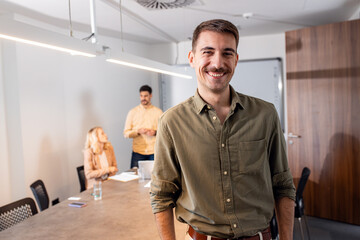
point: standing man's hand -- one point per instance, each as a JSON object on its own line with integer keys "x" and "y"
{"x": 151, "y": 132}
{"x": 147, "y": 131}
{"x": 142, "y": 131}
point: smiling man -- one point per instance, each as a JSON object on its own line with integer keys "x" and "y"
{"x": 141, "y": 125}
{"x": 220, "y": 156}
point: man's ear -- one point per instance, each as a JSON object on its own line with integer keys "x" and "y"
{"x": 191, "y": 58}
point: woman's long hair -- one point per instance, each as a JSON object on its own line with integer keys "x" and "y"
{"x": 92, "y": 141}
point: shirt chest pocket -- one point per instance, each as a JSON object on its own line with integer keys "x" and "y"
{"x": 249, "y": 157}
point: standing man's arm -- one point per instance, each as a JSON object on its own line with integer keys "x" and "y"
{"x": 282, "y": 181}
{"x": 285, "y": 217}
{"x": 165, "y": 182}
{"x": 153, "y": 130}
{"x": 165, "y": 224}
{"x": 129, "y": 131}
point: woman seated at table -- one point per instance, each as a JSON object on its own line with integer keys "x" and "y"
{"x": 99, "y": 157}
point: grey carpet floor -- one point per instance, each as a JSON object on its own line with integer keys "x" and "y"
{"x": 323, "y": 229}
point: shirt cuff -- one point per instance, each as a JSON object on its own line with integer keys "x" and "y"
{"x": 283, "y": 185}
{"x": 163, "y": 194}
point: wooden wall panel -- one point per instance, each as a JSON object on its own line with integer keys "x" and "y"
{"x": 323, "y": 94}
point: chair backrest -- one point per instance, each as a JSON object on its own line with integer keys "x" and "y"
{"x": 81, "y": 175}
{"x": 16, "y": 212}
{"x": 40, "y": 193}
{"x": 274, "y": 227}
{"x": 299, "y": 208}
{"x": 301, "y": 185}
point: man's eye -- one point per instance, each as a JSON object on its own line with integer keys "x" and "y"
{"x": 207, "y": 52}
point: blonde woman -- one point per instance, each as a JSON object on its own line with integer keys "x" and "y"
{"x": 99, "y": 157}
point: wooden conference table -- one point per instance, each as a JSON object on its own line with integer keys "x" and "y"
{"x": 124, "y": 212}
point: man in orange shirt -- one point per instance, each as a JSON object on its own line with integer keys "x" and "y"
{"x": 141, "y": 125}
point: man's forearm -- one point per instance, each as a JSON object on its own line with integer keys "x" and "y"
{"x": 285, "y": 216}
{"x": 165, "y": 224}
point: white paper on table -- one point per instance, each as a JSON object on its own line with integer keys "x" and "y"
{"x": 74, "y": 198}
{"x": 124, "y": 177}
{"x": 148, "y": 184}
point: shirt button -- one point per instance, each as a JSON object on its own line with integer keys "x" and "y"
{"x": 223, "y": 145}
{"x": 228, "y": 200}
{"x": 235, "y": 225}
{"x": 214, "y": 118}
{"x": 208, "y": 107}
{"x": 225, "y": 172}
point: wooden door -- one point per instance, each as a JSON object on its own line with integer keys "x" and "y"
{"x": 323, "y": 106}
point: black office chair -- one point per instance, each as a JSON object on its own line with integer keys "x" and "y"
{"x": 41, "y": 195}
{"x": 81, "y": 175}
{"x": 274, "y": 228}
{"x": 16, "y": 212}
{"x": 299, "y": 201}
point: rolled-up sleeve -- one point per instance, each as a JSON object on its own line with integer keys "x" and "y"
{"x": 165, "y": 179}
{"x": 283, "y": 185}
{"x": 129, "y": 131}
{"x": 282, "y": 180}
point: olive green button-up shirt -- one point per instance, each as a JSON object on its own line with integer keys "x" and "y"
{"x": 221, "y": 179}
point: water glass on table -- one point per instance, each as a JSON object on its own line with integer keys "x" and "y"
{"x": 97, "y": 191}
{"x": 145, "y": 169}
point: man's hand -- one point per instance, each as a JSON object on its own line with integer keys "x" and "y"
{"x": 151, "y": 132}
{"x": 147, "y": 131}
{"x": 142, "y": 131}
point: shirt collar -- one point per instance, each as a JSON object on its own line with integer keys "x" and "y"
{"x": 200, "y": 104}
{"x": 142, "y": 106}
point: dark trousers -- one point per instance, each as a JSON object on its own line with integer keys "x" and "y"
{"x": 136, "y": 157}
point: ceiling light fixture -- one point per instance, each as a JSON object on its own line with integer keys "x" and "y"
{"x": 164, "y": 4}
{"x": 146, "y": 64}
{"x": 24, "y": 33}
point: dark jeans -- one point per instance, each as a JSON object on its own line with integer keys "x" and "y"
{"x": 136, "y": 157}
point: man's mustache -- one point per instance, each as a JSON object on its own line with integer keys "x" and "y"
{"x": 219, "y": 70}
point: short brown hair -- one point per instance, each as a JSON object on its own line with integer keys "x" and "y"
{"x": 215, "y": 25}
{"x": 145, "y": 88}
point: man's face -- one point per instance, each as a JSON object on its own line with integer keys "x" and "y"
{"x": 214, "y": 60}
{"x": 145, "y": 98}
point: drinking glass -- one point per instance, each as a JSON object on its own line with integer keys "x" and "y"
{"x": 97, "y": 190}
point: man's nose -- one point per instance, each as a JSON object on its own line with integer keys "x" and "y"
{"x": 217, "y": 60}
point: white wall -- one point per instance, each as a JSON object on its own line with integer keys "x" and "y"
{"x": 48, "y": 101}
{"x": 167, "y": 53}
{"x": 4, "y": 156}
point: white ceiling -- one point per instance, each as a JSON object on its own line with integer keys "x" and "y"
{"x": 177, "y": 24}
